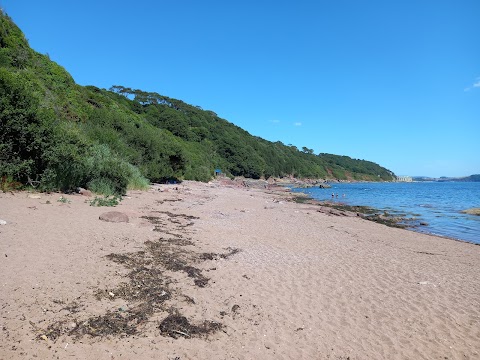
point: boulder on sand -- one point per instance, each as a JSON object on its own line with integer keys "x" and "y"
{"x": 114, "y": 216}
{"x": 84, "y": 192}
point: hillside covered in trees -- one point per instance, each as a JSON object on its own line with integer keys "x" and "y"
{"x": 61, "y": 135}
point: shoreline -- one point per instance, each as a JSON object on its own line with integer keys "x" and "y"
{"x": 263, "y": 276}
{"x": 382, "y": 216}
{"x": 373, "y": 215}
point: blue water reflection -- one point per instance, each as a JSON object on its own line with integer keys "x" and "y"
{"x": 439, "y": 204}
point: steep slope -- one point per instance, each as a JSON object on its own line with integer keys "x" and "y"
{"x": 65, "y": 135}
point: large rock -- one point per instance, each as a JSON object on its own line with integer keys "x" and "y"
{"x": 473, "y": 211}
{"x": 114, "y": 216}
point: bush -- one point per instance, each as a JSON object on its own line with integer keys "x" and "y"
{"x": 137, "y": 181}
{"x": 107, "y": 174}
{"x": 73, "y": 163}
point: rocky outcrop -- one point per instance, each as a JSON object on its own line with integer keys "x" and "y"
{"x": 472, "y": 211}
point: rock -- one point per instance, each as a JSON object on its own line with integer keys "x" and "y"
{"x": 114, "y": 216}
{"x": 3, "y": 222}
{"x": 472, "y": 211}
{"x": 84, "y": 192}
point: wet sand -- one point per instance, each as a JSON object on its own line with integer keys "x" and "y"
{"x": 304, "y": 284}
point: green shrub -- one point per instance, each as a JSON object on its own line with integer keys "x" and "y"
{"x": 106, "y": 201}
{"x": 106, "y": 173}
{"x": 102, "y": 186}
{"x": 65, "y": 159}
{"x": 137, "y": 181}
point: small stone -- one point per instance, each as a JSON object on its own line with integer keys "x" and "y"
{"x": 3, "y": 222}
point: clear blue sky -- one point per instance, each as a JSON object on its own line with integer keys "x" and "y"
{"x": 396, "y": 82}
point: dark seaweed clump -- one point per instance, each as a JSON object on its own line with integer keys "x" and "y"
{"x": 176, "y": 326}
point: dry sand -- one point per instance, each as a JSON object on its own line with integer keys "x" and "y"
{"x": 305, "y": 284}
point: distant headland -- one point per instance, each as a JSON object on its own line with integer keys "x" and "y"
{"x": 471, "y": 178}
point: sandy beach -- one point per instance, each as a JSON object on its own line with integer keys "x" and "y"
{"x": 215, "y": 271}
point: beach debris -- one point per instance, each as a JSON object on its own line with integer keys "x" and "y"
{"x": 114, "y": 216}
{"x": 3, "y": 222}
{"x": 216, "y": 256}
{"x": 63, "y": 200}
{"x": 426, "y": 253}
{"x": 426, "y": 283}
{"x": 112, "y": 323}
{"x": 34, "y": 196}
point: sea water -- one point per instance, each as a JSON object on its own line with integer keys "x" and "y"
{"x": 436, "y": 204}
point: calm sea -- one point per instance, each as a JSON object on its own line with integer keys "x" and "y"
{"x": 439, "y": 204}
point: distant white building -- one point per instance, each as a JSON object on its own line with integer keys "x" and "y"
{"x": 404, "y": 179}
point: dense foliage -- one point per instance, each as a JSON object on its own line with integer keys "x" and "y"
{"x": 62, "y": 135}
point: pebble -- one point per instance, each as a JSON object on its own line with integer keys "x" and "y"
{"x": 3, "y": 222}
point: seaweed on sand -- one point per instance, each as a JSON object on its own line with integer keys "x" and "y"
{"x": 216, "y": 256}
{"x": 112, "y": 323}
{"x": 176, "y": 325}
{"x": 147, "y": 288}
